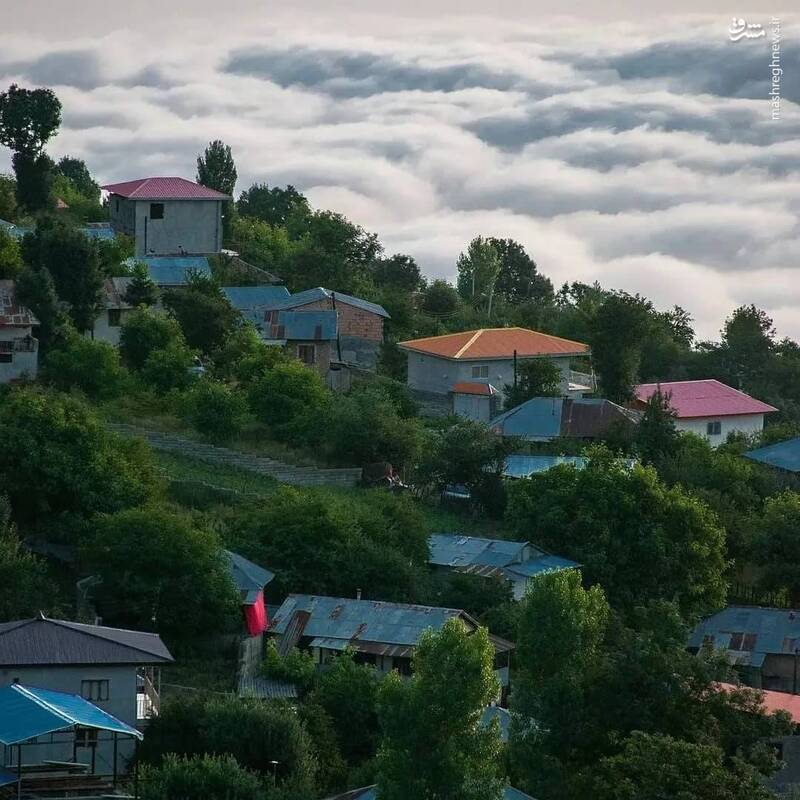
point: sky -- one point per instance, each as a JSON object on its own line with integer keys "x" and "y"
{"x": 622, "y": 146}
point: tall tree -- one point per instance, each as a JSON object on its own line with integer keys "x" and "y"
{"x": 10, "y": 257}
{"x": 656, "y": 435}
{"x": 28, "y": 118}
{"x": 8, "y": 198}
{"x": 777, "y": 544}
{"x": 434, "y": 746}
{"x": 519, "y": 280}
{"x": 275, "y": 206}
{"x": 217, "y": 170}
{"x": 78, "y": 173}
{"x": 478, "y": 271}
{"x": 141, "y": 290}
{"x": 538, "y": 377}
{"x": 398, "y": 272}
{"x": 36, "y": 291}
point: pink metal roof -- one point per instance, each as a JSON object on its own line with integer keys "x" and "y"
{"x": 164, "y": 189}
{"x": 706, "y": 398}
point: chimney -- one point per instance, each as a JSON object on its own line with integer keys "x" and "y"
{"x": 358, "y": 594}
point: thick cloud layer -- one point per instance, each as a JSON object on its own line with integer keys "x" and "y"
{"x": 644, "y": 157}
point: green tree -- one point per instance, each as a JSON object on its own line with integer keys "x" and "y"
{"x": 243, "y": 357}
{"x": 656, "y": 436}
{"x": 58, "y": 445}
{"x": 217, "y": 170}
{"x": 777, "y": 544}
{"x": 74, "y": 262}
{"x": 8, "y": 198}
{"x": 80, "y": 363}
{"x": 478, "y": 272}
{"x": 265, "y": 246}
{"x": 519, "y": 280}
{"x": 141, "y": 290}
{"x": 208, "y": 776}
{"x": 398, "y": 272}
{"x": 10, "y": 257}
{"x": 25, "y": 586}
{"x": 440, "y": 298}
{"x": 145, "y": 331}
{"x": 36, "y": 291}
{"x": 28, "y": 118}
{"x": 215, "y": 410}
{"x": 433, "y": 745}
{"x": 635, "y": 536}
{"x": 292, "y": 399}
{"x": 77, "y": 172}
{"x": 616, "y": 333}
{"x": 152, "y": 564}
{"x": 168, "y": 368}
{"x": 275, "y": 206}
{"x": 537, "y": 377}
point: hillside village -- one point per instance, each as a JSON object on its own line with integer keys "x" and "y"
{"x": 284, "y": 518}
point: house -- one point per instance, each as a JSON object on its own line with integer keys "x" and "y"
{"x": 371, "y": 793}
{"x": 762, "y": 643}
{"x": 475, "y": 400}
{"x": 169, "y": 272}
{"x": 519, "y": 563}
{"x": 49, "y": 731}
{"x": 784, "y": 456}
{"x": 254, "y": 298}
{"x": 360, "y": 323}
{"x": 708, "y": 408}
{"x": 250, "y": 580}
{"x": 19, "y": 349}
{"x": 117, "y": 669}
{"x": 490, "y": 355}
{"x": 167, "y": 216}
{"x": 542, "y": 419}
{"x": 381, "y": 633}
{"x": 116, "y": 310}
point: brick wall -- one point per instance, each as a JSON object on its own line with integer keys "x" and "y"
{"x": 352, "y": 321}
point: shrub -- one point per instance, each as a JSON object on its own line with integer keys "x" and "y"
{"x": 207, "y": 776}
{"x": 214, "y": 410}
{"x": 145, "y": 331}
{"x": 168, "y": 368}
{"x": 80, "y": 363}
{"x": 295, "y": 667}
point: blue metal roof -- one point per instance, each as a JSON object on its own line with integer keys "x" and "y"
{"x": 539, "y": 419}
{"x": 525, "y": 466}
{"x": 7, "y": 777}
{"x": 783, "y": 455}
{"x": 315, "y": 295}
{"x": 246, "y": 298}
{"x": 368, "y": 620}
{"x": 105, "y": 234}
{"x": 172, "y": 270}
{"x": 538, "y": 566}
{"x": 776, "y": 631}
{"x": 249, "y": 578}
{"x": 456, "y": 550}
{"x": 27, "y": 712}
{"x": 321, "y": 326}
{"x": 502, "y": 715}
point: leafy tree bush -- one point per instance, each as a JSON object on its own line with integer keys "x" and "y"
{"x": 440, "y": 298}
{"x": 145, "y": 331}
{"x": 214, "y": 410}
{"x": 292, "y": 400}
{"x": 10, "y": 257}
{"x": 656, "y": 436}
{"x": 36, "y": 291}
{"x": 154, "y": 564}
{"x": 295, "y": 667}
{"x": 141, "y": 290}
{"x": 8, "y": 198}
{"x": 777, "y": 544}
{"x": 538, "y": 377}
{"x": 244, "y": 357}
{"x": 433, "y": 744}
{"x": 56, "y": 444}
{"x": 398, "y": 272}
{"x": 168, "y": 368}
{"x": 217, "y": 170}
{"x": 274, "y": 206}
{"x": 208, "y": 776}
{"x": 91, "y": 366}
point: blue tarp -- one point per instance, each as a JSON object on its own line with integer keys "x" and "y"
{"x": 525, "y": 466}
{"x": 782, "y": 455}
{"x": 172, "y": 270}
{"x": 27, "y": 712}
{"x": 105, "y": 234}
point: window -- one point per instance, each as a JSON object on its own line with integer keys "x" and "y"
{"x": 6, "y": 357}
{"x": 743, "y": 641}
{"x": 156, "y": 211}
{"x": 113, "y": 317}
{"x": 402, "y": 665}
{"x": 96, "y": 691}
{"x": 714, "y": 428}
{"x": 307, "y": 353}
{"x": 86, "y": 737}
{"x": 480, "y": 371}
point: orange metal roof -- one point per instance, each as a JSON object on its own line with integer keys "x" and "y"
{"x": 472, "y": 387}
{"x": 495, "y": 343}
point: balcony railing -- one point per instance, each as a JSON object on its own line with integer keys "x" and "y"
{"x": 583, "y": 379}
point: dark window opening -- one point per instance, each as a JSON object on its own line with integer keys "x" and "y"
{"x": 114, "y": 317}
{"x": 402, "y": 665}
{"x": 96, "y": 691}
{"x": 156, "y": 211}
{"x": 365, "y": 658}
{"x": 6, "y": 357}
{"x": 714, "y": 428}
{"x": 307, "y": 353}
{"x": 86, "y": 737}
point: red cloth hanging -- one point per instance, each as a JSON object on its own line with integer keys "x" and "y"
{"x": 255, "y": 616}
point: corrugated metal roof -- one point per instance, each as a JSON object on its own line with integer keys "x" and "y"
{"x": 50, "y": 641}
{"x": 12, "y": 314}
{"x": 541, "y": 565}
{"x": 170, "y": 188}
{"x": 265, "y": 688}
{"x": 525, "y": 466}
{"x": 249, "y": 578}
{"x": 489, "y": 343}
{"x": 99, "y": 230}
{"x": 473, "y": 387}
{"x": 284, "y": 326}
{"x": 172, "y": 270}
{"x": 371, "y": 793}
{"x": 114, "y": 290}
{"x": 247, "y": 298}
{"x": 27, "y": 712}
{"x": 782, "y": 455}
{"x": 770, "y": 631}
{"x": 315, "y": 295}
{"x": 704, "y": 398}
{"x": 456, "y": 550}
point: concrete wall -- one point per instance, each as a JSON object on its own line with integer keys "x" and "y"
{"x": 121, "y": 703}
{"x": 193, "y": 227}
{"x": 744, "y": 423}
{"x": 475, "y": 406}
{"x": 434, "y": 374}
{"x": 24, "y": 363}
{"x": 103, "y": 331}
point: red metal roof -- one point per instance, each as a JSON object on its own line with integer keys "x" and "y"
{"x": 495, "y": 343}
{"x": 164, "y": 189}
{"x": 706, "y": 398}
{"x": 472, "y": 387}
{"x": 773, "y": 701}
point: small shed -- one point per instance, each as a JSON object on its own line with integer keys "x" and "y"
{"x": 474, "y": 400}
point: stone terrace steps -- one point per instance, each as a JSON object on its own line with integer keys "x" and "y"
{"x": 280, "y": 471}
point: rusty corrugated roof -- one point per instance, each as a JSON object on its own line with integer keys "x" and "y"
{"x": 12, "y": 314}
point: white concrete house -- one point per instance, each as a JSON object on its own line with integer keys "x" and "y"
{"x": 19, "y": 349}
{"x": 167, "y": 216}
{"x": 116, "y": 310}
{"x": 708, "y": 408}
{"x": 438, "y": 364}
